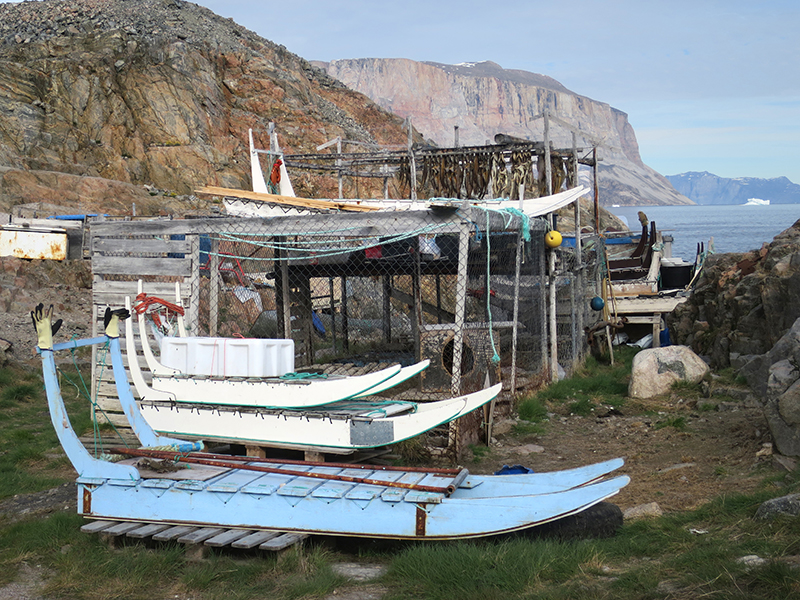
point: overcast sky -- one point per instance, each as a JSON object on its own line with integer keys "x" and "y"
{"x": 707, "y": 85}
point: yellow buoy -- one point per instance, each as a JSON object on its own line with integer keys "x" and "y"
{"x": 552, "y": 239}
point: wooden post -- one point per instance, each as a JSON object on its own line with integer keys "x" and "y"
{"x": 596, "y": 193}
{"x": 387, "y": 308}
{"x": 548, "y": 167}
{"x": 339, "y": 165}
{"x": 438, "y": 298}
{"x": 345, "y": 327}
{"x": 417, "y": 324}
{"x": 307, "y": 318}
{"x": 412, "y": 162}
{"x": 192, "y": 318}
{"x": 461, "y": 303}
{"x": 542, "y": 258}
{"x": 577, "y": 280}
{"x": 215, "y": 282}
{"x": 515, "y": 318}
{"x": 286, "y": 296}
{"x": 279, "y": 300}
{"x": 578, "y": 243}
{"x": 551, "y": 255}
{"x": 553, "y": 321}
{"x": 332, "y": 293}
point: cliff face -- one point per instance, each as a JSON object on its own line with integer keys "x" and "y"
{"x": 156, "y": 92}
{"x": 742, "y": 303}
{"x": 707, "y": 188}
{"x": 483, "y": 99}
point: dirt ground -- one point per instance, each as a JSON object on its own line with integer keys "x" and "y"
{"x": 716, "y": 452}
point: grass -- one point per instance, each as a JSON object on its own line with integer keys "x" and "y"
{"x": 592, "y": 385}
{"x": 31, "y": 458}
{"x": 643, "y": 556}
{"x": 676, "y": 422}
{"x": 479, "y": 452}
{"x": 664, "y": 557}
{"x": 533, "y": 410}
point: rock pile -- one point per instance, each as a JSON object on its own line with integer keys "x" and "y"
{"x": 775, "y": 378}
{"x": 745, "y": 313}
{"x": 36, "y": 22}
{"x": 159, "y": 93}
{"x": 743, "y": 303}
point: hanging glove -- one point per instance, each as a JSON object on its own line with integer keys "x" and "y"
{"x": 45, "y": 328}
{"x": 111, "y": 320}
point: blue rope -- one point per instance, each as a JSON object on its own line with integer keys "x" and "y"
{"x": 363, "y": 244}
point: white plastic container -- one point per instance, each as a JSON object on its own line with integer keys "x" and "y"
{"x": 228, "y": 357}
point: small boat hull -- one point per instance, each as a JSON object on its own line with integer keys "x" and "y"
{"x": 320, "y": 429}
{"x": 239, "y": 498}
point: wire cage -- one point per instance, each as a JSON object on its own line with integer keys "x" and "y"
{"x": 464, "y": 286}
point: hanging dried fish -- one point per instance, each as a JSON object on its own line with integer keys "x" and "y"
{"x": 559, "y": 174}
{"x": 404, "y": 173}
{"x": 502, "y": 181}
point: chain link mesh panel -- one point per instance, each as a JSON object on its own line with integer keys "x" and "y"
{"x": 466, "y": 287}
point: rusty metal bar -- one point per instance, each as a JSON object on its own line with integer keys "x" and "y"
{"x": 177, "y": 457}
{"x": 283, "y": 461}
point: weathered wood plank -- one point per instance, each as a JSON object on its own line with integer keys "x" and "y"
{"x": 116, "y": 419}
{"x": 165, "y": 290}
{"x": 200, "y": 535}
{"x": 139, "y": 246}
{"x": 173, "y": 533}
{"x": 286, "y": 200}
{"x": 107, "y": 399}
{"x": 133, "y": 265}
{"x": 227, "y": 537}
{"x": 283, "y": 541}
{"x": 356, "y": 224}
{"x": 147, "y": 530}
{"x": 97, "y": 526}
{"x": 255, "y": 539}
{"x": 120, "y": 529}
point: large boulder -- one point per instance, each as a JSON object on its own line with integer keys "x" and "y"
{"x": 775, "y": 377}
{"x": 656, "y": 369}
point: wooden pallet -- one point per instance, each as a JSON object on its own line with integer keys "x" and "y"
{"x": 196, "y": 539}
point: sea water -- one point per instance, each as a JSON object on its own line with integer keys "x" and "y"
{"x": 734, "y": 228}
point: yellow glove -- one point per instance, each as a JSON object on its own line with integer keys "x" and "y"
{"x": 111, "y": 320}
{"x": 45, "y": 328}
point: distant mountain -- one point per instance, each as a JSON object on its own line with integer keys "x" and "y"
{"x": 707, "y": 188}
{"x": 483, "y": 99}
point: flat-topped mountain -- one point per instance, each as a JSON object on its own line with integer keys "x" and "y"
{"x": 484, "y": 99}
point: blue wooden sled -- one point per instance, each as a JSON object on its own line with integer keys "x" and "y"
{"x": 315, "y": 498}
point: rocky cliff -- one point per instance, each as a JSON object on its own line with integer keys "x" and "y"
{"x": 742, "y": 303}
{"x": 707, "y": 188}
{"x": 99, "y": 98}
{"x": 484, "y": 99}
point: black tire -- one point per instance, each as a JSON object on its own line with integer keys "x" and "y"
{"x": 599, "y": 521}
